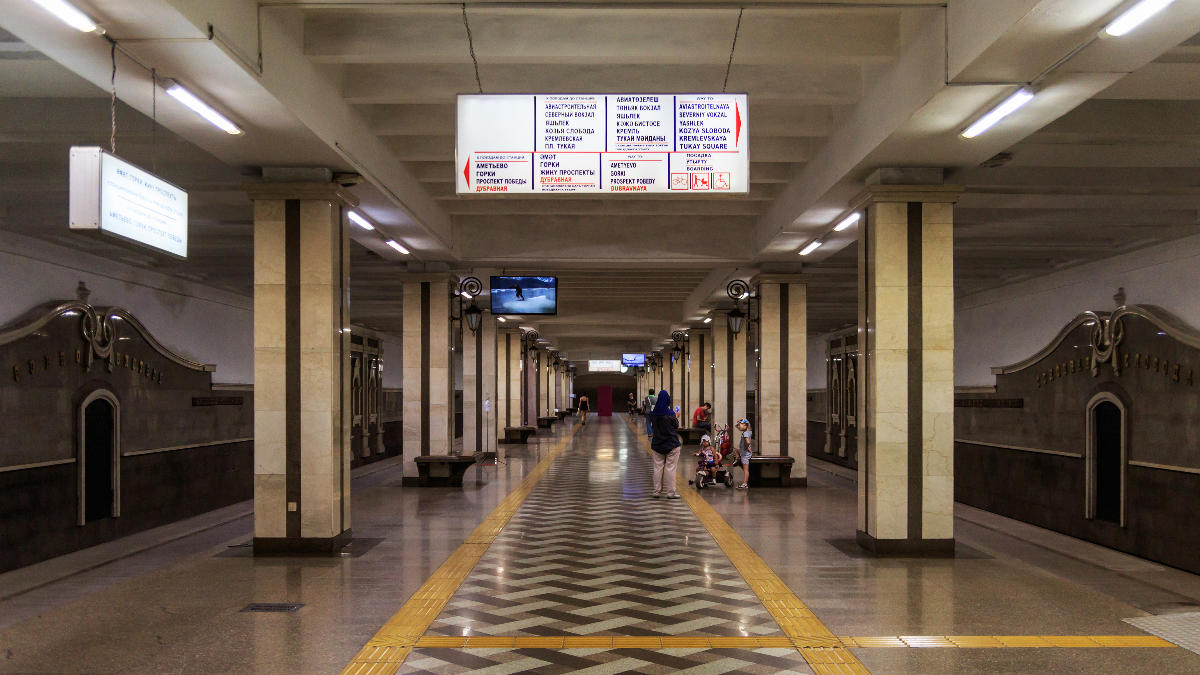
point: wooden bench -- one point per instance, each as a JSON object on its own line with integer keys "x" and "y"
{"x": 517, "y": 434}
{"x": 545, "y": 422}
{"x": 442, "y": 470}
{"x": 773, "y": 472}
{"x": 691, "y": 435}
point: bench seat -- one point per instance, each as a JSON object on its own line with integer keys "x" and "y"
{"x": 518, "y": 434}
{"x": 442, "y": 470}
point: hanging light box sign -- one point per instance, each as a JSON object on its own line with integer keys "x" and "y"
{"x": 115, "y": 198}
{"x": 602, "y": 143}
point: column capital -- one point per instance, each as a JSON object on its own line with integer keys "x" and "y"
{"x": 876, "y": 194}
{"x": 327, "y": 192}
{"x": 779, "y": 278}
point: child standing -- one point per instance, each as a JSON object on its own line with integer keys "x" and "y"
{"x": 745, "y": 451}
{"x": 708, "y": 459}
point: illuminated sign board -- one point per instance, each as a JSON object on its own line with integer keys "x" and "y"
{"x": 611, "y": 143}
{"x": 114, "y": 197}
{"x": 604, "y": 366}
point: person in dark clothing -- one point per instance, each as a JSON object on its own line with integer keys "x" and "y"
{"x": 665, "y": 444}
{"x": 520, "y": 294}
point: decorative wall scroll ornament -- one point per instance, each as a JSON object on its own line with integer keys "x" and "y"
{"x": 471, "y": 286}
{"x": 1106, "y": 335}
{"x": 99, "y": 336}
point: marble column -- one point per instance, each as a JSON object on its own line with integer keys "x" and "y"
{"x": 428, "y": 398}
{"x": 699, "y": 357}
{"x": 302, "y": 447}
{"x": 783, "y": 370}
{"x": 737, "y": 371}
{"x": 533, "y": 389}
{"x": 479, "y": 386}
{"x": 677, "y": 395}
{"x": 560, "y": 388}
{"x": 508, "y": 379}
{"x": 721, "y": 400}
{"x": 906, "y": 399}
{"x": 547, "y": 385}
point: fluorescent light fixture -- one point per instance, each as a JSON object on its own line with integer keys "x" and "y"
{"x": 397, "y": 245}
{"x": 180, "y": 93}
{"x": 1007, "y": 107}
{"x": 68, "y": 14}
{"x": 359, "y": 220}
{"x": 743, "y": 296}
{"x": 501, "y": 319}
{"x": 465, "y": 295}
{"x": 1133, "y": 17}
{"x": 708, "y": 319}
{"x": 848, "y": 221}
{"x": 812, "y": 246}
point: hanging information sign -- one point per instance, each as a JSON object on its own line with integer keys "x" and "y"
{"x": 115, "y": 198}
{"x": 590, "y": 143}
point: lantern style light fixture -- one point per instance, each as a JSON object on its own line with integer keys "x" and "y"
{"x": 468, "y": 288}
{"x": 737, "y": 290}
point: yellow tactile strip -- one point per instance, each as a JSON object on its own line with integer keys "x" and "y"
{"x": 777, "y": 641}
{"x": 384, "y": 652}
{"x": 793, "y": 617}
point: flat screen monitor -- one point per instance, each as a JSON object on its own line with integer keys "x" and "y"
{"x": 524, "y": 295}
{"x": 633, "y": 360}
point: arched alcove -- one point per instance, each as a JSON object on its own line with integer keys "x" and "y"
{"x": 99, "y": 457}
{"x": 1105, "y": 458}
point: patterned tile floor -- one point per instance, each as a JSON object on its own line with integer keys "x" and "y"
{"x": 1183, "y": 629}
{"x": 591, "y": 553}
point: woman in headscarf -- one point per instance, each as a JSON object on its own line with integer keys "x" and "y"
{"x": 665, "y": 444}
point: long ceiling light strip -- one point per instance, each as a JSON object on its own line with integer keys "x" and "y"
{"x": 848, "y": 221}
{"x": 180, "y": 93}
{"x": 812, "y": 246}
{"x": 1006, "y": 107}
{"x": 1135, "y": 16}
{"x": 397, "y": 245}
{"x": 359, "y": 220}
{"x": 68, "y": 14}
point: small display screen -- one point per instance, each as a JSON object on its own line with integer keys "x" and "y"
{"x": 604, "y": 366}
{"x": 633, "y": 360}
{"x": 524, "y": 295}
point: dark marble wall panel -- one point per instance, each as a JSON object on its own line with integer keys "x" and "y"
{"x": 816, "y": 446}
{"x": 48, "y": 370}
{"x": 39, "y": 507}
{"x": 1156, "y": 379}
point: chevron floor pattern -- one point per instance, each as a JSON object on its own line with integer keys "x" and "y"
{"x": 591, "y": 553}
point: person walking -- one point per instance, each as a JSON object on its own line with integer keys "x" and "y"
{"x": 665, "y": 444}
{"x": 584, "y": 406}
{"x": 648, "y": 405}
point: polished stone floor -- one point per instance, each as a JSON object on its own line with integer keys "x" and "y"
{"x": 588, "y": 554}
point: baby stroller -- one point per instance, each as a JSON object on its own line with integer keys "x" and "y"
{"x": 721, "y": 474}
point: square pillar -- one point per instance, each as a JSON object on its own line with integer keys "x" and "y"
{"x": 677, "y": 395}
{"x": 721, "y": 400}
{"x": 428, "y": 397}
{"x": 302, "y": 447}
{"x": 508, "y": 379}
{"x": 699, "y": 372}
{"x": 783, "y": 370}
{"x": 906, "y": 372}
{"x": 480, "y": 432}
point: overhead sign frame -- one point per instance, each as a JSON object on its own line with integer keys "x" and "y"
{"x": 610, "y": 144}
{"x": 112, "y": 197}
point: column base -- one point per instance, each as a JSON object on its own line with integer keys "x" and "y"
{"x": 906, "y": 548}
{"x": 300, "y": 546}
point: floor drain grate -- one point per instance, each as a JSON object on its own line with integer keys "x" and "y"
{"x": 272, "y": 606}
